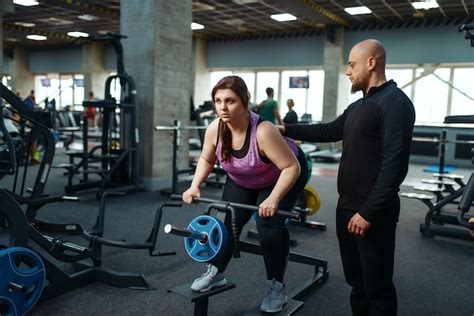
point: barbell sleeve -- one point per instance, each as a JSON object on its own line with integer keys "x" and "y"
{"x": 184, "y": 232}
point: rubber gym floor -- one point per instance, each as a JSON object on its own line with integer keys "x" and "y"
{"x": 433, "y": 276}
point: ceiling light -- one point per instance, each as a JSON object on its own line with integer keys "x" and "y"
{"x": 199, "y": 6}
{"x": 425, "y": 5}
{"x": 26, "y": 3}
{"x": 78, "y": 34}
{"x": 36, "y": 37}
{"x": 196, "y": 26}
{"x": 283, "y": 17}
{"x": 233, "y": 22}
{"x": 358, "y": 10}
{"x": 87, "y": 17}
{"x": 24, "y": 24}
{"x": 246, "y": 1}
{"x": 56, "y": 21}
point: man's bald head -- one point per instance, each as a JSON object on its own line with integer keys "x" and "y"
{"x": 371, "y": 48}
{"x": 366, "y": 65}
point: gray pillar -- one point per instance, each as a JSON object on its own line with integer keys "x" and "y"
{"x": 158, "y": 56}
{"x": 334, "y": 68}
{"x": 93, "y": 67}
{"x": 23, "y": 80}
{"x": 5, "y": 7}
{"x": 202, "y": 73}
{"x": 1, "y": 45}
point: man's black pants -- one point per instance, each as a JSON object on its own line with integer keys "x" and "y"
{"x": 368, "y": 262}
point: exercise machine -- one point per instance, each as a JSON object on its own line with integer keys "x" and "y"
{"x": 117, "y": 154}
{"x": 208, "y": 239}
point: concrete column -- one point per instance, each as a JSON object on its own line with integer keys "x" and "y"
{"x": 202, "y": 73}
{"x": 334, "y": 68}
{"x": 93, "y": 65}
{"x": 1, "y": 45}
{"x": 5, "y": 7}
{"x": 158, "y": 56}
{"x": 23, "y": 80}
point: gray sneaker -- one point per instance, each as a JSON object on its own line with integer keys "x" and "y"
{"x": 275, "y": 297}
{"x": 208, "y": 280}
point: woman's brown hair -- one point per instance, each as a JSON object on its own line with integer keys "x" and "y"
{"x": 238, "y": 86}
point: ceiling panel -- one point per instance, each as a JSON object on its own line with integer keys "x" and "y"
{"x": 221, "y": 18}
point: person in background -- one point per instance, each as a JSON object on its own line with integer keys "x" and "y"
{"x": 291, "y": 117}
{"x": 376, "y": 131}
{"x": 268, "y": 109}
{"x": 91, "y": 112}
{"x": 30, "y": 101}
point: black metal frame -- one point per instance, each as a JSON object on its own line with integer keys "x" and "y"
{"x": 435, "y": 218}
{"x": 119, "y": 168}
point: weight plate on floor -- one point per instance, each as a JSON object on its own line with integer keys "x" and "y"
{"x": 22, "y": 280}
{"x": 313, "y": 201}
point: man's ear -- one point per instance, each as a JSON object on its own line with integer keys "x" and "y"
{"x": 371, "y": 63}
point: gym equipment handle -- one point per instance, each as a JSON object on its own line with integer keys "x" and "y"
{"x": 184, "y": 232}
{"x": 295, "y": 216}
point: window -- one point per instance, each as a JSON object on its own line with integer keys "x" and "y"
{"x": 462, "y": 102}
{"x": 67, "y": 90}
{"x": 249, "y": 78}
{"x": 299, "y": 95}
{"x": 306, "y": 100}
{"x": 6, "y": 81}
{"x": 216, "y": 76}
{"x": 431, "y": 95}
{"x": 264, "y": 81}
{"x": 402, "y": 77}
{"x": 78, "y": 89}
{"x": 314, "y": 104}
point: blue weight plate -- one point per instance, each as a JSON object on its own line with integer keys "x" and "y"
{"x": 24, "y": 268}
{"x": 216, "y": 242}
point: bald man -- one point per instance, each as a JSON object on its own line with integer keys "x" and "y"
{"x": 376, "y": 131}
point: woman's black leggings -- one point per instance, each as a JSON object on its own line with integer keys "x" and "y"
{"x": 272, "y": 231}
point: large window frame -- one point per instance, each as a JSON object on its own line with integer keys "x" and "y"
{"x": 433, "y": 78}
{"x": 64, "y": 88}
{"x": 312, "y": 103}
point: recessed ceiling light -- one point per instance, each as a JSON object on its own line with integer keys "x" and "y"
{"x": 26, "y": 3}
{"x": 24, "y": 24}
{"x": 199, "y": 6}
{"x": 55, "y": 21}
{"x": 11, "y": 39}
{"x": 196, "y": 26}
{"x": 283, "y": 17}
{"x": 358, "y": 10}
{"x": 87, "y": 17}
{"x": 78, "y": 34}
{"x": 246, "y": 1}
{"x": 425, "y": 5}
{"x": 36, "y": 37}
{"x": 233, "y": 22}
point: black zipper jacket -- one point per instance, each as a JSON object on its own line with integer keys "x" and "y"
{"x": 376, "y": 132}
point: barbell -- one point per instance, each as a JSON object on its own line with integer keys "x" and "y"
{"x": 206, "y": 237}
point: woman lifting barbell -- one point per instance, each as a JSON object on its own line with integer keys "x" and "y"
{"x": 263, "y": 169}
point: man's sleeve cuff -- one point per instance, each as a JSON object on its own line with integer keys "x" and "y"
{"x": 367, "y": 213}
